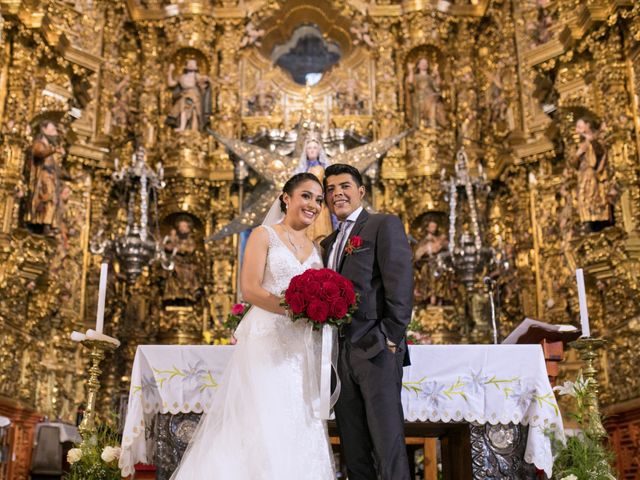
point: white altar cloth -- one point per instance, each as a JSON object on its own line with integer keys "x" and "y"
{"x": 445, "y": 383}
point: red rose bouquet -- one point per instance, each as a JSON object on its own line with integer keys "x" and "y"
{"x": 323, "y": 297}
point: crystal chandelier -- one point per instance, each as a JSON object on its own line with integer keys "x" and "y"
{"x": 137, "y": 185}
{"x": 468, "y": 255}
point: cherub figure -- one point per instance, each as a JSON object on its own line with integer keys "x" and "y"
{"x": 362, "y": 34}
{"x": 252, "y": 36}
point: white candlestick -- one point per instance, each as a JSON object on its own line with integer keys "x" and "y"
{"x": 582, "y": 300}
{"x": 102, "y": 295}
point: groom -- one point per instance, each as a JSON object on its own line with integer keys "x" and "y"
{"x": 373, "y": 252}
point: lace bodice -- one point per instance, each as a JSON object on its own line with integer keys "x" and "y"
{"x": 282, "y": 265}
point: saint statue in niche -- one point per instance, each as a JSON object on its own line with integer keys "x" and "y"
{"x": 424, "y": 95}
{"x": 44, "y": 177}
{"x": 431, "y": 286}
{"x": 191, "y": 98}
{"x": 182, "y": 285}
{"x": 347, "y": 98}
{"x": 595, "y": 193}
{"x": 263, "y": 101}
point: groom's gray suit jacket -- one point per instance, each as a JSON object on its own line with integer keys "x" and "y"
{"x": 381, "y": 272}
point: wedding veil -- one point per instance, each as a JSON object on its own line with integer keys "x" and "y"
{"x": 275, "y": 214}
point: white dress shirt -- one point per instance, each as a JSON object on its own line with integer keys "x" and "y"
{"x": 350, "y": 222}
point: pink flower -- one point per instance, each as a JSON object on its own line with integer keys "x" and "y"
{"x": 237, "y": 309}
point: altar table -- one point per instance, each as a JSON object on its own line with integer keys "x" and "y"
{"x": 483, "y": 384}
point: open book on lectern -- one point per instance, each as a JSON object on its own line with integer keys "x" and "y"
{"x": 532, "y": 331}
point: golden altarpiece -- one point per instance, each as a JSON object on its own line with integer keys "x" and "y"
{"x": 542, "y": 95}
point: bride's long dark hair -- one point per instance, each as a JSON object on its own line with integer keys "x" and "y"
{"x": 293, "y": 182}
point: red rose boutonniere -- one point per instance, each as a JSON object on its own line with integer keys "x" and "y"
{"x": 354, "y": 245}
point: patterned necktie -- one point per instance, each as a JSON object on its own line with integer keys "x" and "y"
{"x": 339, "y": 243}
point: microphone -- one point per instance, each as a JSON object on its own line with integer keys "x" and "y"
{"x": 491, "y": 283}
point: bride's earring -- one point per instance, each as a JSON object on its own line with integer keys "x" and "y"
{"x": 286, "y": 206}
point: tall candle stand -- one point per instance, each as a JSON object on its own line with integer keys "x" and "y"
{"x": 97, "y": 352}
{"x": 588, "y": 350}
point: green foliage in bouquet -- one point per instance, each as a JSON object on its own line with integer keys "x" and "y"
{"x": 584, "y": 456}
{"x": 234, "y": 317}
{"x": 97, "y": 457}
{"x": 416, "y": 334}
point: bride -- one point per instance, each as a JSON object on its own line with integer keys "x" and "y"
{"x": 261, "y": 425}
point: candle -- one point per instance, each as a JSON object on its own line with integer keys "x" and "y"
{"x": 102, "y": 294}
{"x": 582, "y": 299}
{"x": 78, "y": 336}
{"x": 93, "y": 335}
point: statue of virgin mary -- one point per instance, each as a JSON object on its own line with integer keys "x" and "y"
{"x": 314, "y": 160}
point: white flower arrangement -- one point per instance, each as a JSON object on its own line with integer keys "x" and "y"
{"x": 109, "y": 454}
{"x": 575, "y": 389}
{"x": 74, "y": 455}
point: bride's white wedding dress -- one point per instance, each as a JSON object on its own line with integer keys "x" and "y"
{"x": 260, "y": 425}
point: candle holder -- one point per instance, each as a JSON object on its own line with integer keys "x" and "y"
{"x": 97, "y": 351}
{"x": 587, "y": 349}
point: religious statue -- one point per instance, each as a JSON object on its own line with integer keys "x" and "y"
{"x": 46, "y": 157}
{"x": 540, "y": 28}
{"x": 191, "y": 98}
{"x": 387, "y": 123}
{"x": 348, "y": 100}
{"x": 314, "y": 160}
{"x": 424, "y": 95}
{"x": 262, "y": 102}
{"x": 500, "y": 111}
{"x": 431, "y": 285}
{"x": 183, "y": 283}
{"x": 594, "y": 195}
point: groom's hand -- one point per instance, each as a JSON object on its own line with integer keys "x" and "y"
{"x": 391, "y": 346}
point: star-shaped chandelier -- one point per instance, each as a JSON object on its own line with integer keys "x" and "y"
{"x": 276, "y": 169}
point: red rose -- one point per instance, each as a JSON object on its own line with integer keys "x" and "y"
{"x": 296, "y": 302}
{"x": 307, "y": 275}
{"x": 356, "y": 241}
{"x": 325, "y": 274}
{"x": 330, "y": 291}
{"x": 311, "y": 290}
{"x": 339, "y": 309}
{"x": 237, "y": 309}
{"x": 348, "y": 293}
{"x": 318, "y": 311}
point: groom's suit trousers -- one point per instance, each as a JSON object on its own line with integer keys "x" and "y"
{"x": 369, "y": 414}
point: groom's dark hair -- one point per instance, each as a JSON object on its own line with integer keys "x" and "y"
{"x": 339, "y": 169}
{"x": 292, "y": 183}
